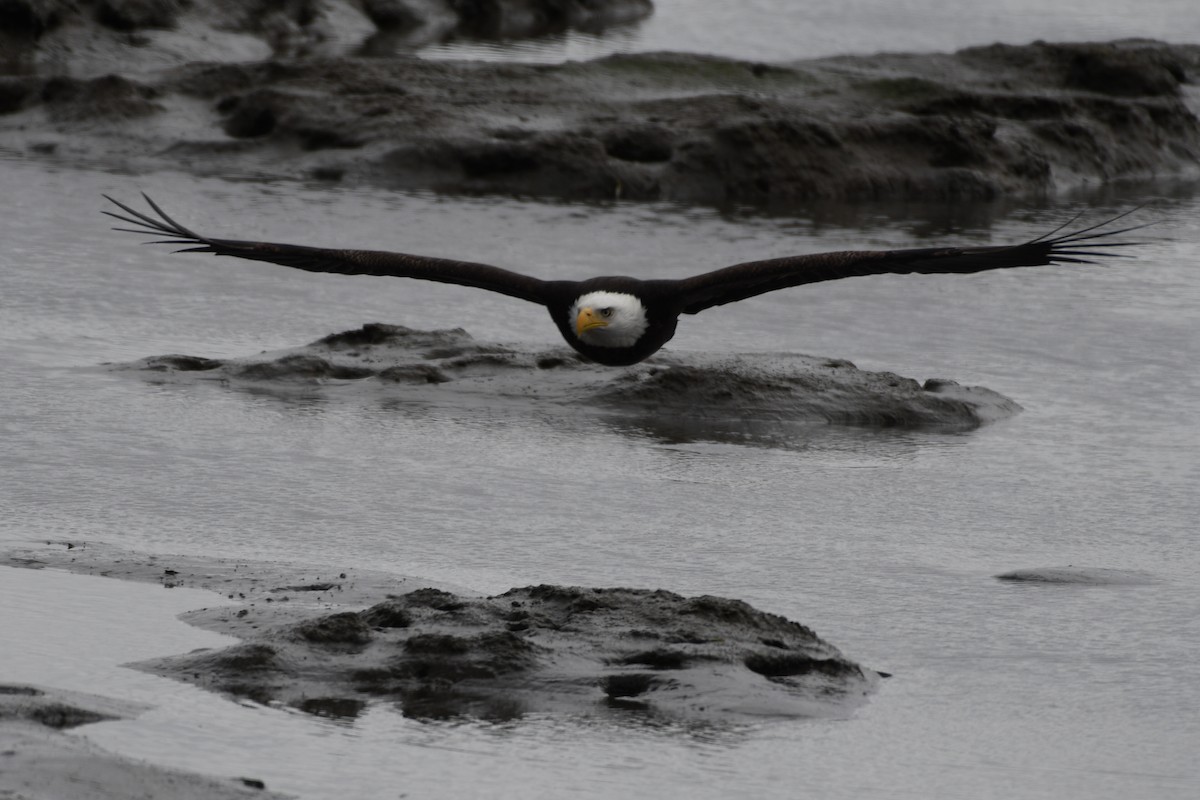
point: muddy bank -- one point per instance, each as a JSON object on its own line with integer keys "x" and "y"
{"x": 89, "y": 35}
{"x": 333, "y": 642}
{"x": 229, "y": 100}
{"x": 447, "y": 367}
{"x": 38, "y": 759}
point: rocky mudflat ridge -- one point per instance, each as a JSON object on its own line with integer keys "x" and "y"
{"x": 39, "y": 32}
{"x": 286, "y": 91}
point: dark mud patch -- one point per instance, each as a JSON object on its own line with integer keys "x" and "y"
{"x": 1081, "y": 576}
{"x": 55, "y": 709}
{"x": 448, "y": 366}
{"x": 437, "y": 653}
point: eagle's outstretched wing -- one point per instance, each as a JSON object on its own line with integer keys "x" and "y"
{"x": 756, "y": 277}
{"x": 345, "y": 262}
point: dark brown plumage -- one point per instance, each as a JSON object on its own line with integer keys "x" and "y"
{"x": 622, "y": 320}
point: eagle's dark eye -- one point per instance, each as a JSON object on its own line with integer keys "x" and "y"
{"x": 606, "y": 312}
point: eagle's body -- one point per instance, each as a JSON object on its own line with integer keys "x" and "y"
{"x": 622, "y": 320}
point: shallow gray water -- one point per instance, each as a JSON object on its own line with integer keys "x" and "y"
{"x": 786, "y": 30}
{"x": 884, "y": 541}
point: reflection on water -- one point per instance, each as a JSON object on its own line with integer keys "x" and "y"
{"x": 832, "y": 441}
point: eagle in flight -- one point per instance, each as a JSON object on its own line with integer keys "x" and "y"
{"x": 619, "y": 321}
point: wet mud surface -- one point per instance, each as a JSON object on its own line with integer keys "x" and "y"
{"x": 330, "y": 644}
{"x": 289, "y": 94}
{"x": 449, "y": 366}
{"x": 56, "y": 709}
{"x": 39, "y": 760}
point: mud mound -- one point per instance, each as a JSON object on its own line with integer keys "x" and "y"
{"x": 539, "y": 648}
{"x": 330, "y": 642}
{"x": 449, "y": 366}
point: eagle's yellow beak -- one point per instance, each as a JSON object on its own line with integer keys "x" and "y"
{"x": 587, "y": 320}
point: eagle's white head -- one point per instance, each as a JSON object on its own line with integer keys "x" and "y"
{"x": 609, "y": 319}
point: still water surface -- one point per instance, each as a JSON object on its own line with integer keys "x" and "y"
{"x": 787, "y": 30}
{"x": 884, "y": 541}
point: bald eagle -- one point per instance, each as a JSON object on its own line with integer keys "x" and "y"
{"x": 619, "y": 321}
